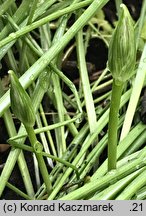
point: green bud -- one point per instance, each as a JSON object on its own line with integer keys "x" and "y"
{"x": 122, "y": 48}
{"x": 20, "y": 102}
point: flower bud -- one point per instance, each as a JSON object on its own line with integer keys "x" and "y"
{"x": 20, "y": 102}
{"x": 122, "y": 48}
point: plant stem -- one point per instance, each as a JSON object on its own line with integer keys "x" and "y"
{"x": 78, "y": 139}
{"x": 135, "y": 95}
{"x": 113, "y": 125}
{"x": 110, "y": 192}
{"x": 121, "y": 148}
{"x": 40, "y": 159}
{"x": 133, "y": 187}
{"x": 89, "y": 103}
{"x": 16, "y": 190}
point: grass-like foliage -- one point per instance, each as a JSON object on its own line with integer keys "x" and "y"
{"x": 81, "y": 130}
